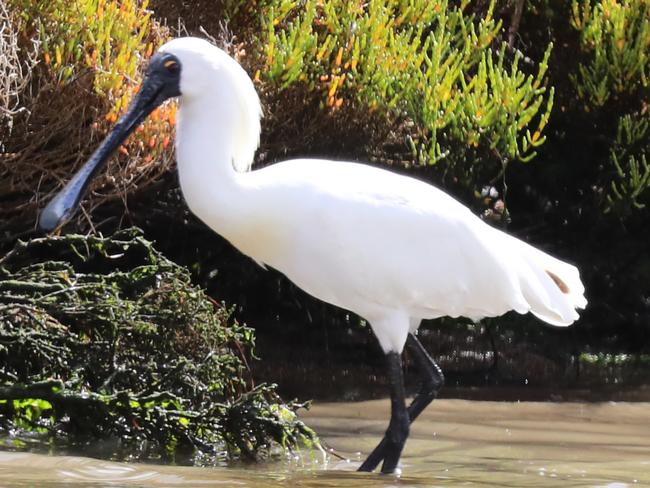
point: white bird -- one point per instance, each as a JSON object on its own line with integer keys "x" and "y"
{"x": 392, "y": 249}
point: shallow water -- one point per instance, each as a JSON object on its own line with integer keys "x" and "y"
{"x": 454, "y": 443}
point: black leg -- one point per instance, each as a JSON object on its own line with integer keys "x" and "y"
{"x": 393, "y": 442}
{"x": 433, "y": 379}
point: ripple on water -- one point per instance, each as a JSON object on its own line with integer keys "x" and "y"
{"x": 454, "y": 443}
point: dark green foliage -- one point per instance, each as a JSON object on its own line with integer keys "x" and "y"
{"x": 104, "y": 338}
{"x": 612, "y": 80}
{"x": 615, "y": 35}
{"x": 470, "y": 101}
{"x": 629, "y": 156}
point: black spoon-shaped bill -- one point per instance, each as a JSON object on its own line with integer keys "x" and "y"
{"x": 161, "y": 82}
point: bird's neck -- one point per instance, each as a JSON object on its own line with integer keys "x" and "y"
{"x": 211, "y": 137}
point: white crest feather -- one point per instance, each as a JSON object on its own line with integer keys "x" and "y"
{"x": 248, "y": 133}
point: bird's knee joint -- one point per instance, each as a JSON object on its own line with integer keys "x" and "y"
{"x": 433, "y": 384}
{"x": 439, "y": 381}
{"x": 398, "y": 431}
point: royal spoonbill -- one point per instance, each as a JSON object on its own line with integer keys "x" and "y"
{"x": 392, "y": 249}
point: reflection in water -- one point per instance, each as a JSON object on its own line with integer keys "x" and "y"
{"x": 454, "y": 443}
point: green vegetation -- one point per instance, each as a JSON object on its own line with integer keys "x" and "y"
{"x": 91, "y": 54}
{"x": 427, "y": 60}
{"x": 629, "y": 155}
{"x": 616, "y": 36}
{"x": 615, "y": 39}
{"x": 104, "y": 338}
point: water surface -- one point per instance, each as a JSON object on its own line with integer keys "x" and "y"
{"x": 454, "y": 443}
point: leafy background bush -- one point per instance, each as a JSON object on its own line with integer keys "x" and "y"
{"x": 91, "y": 53}
{"x": 616, "y": 38}
{"x": 424, "y": 60}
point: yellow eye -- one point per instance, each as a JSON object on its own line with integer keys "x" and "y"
{"x": 171, "y": 66}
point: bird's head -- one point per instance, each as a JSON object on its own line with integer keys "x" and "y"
{"x": 197, "y": 61}
{"x": 186, "y": 67}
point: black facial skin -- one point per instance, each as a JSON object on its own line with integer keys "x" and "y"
{"x": 161, "y": 81}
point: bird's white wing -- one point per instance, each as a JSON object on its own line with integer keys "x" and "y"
{"x": 367, "y": 239}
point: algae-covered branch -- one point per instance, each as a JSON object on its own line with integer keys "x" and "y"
{"x": 106, "y": 339}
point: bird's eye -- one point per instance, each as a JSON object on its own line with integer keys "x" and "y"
{"x": 172, "y": 66}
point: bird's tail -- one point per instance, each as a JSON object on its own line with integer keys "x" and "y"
{"x": 551, "y": 287}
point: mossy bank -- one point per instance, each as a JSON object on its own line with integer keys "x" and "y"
{"x": 106, "y": 339}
